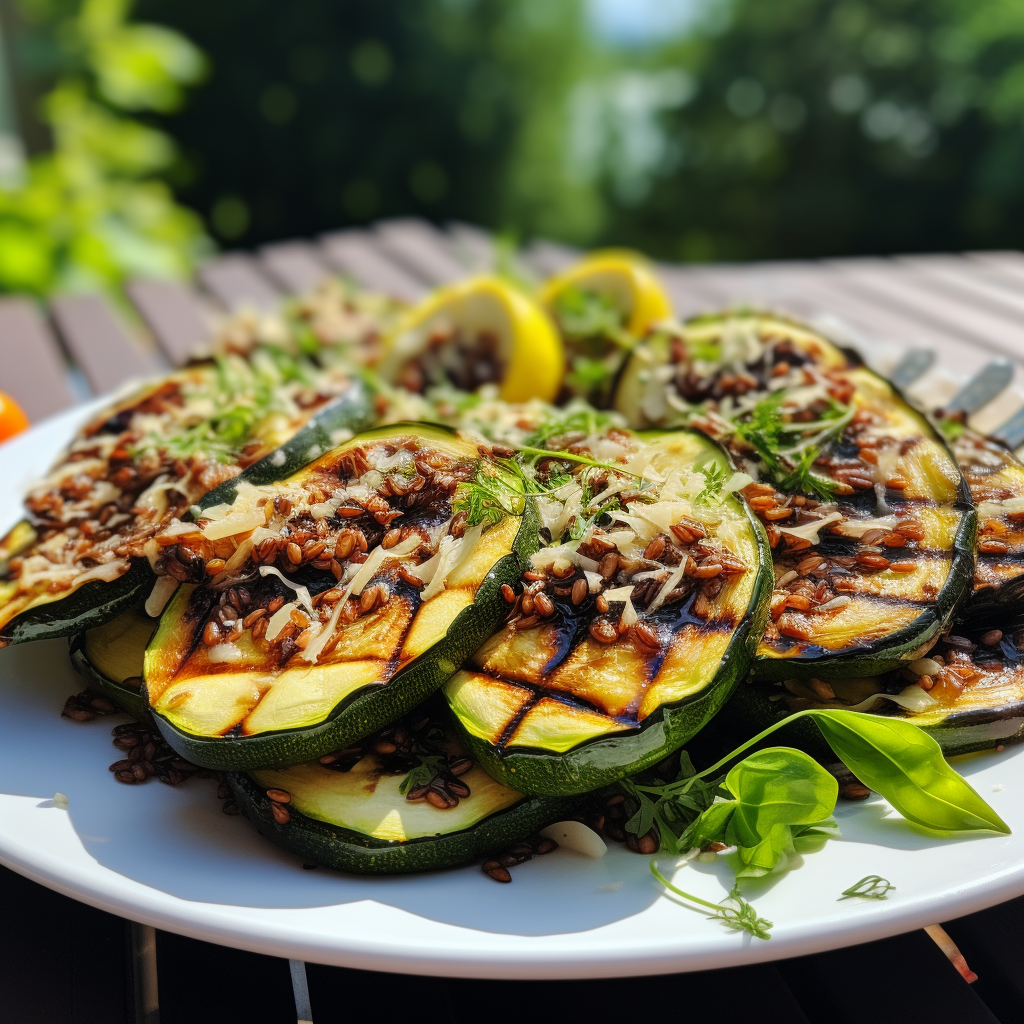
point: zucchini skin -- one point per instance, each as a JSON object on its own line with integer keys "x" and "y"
{"x": 598, "y": 762}
{"x": 356, "y": 853}
{"x": 601, "y": 761}
{"x": 366, "y": 712}
{"x": 354, "y": 411}
{"x": 132, "y": 702}
{"x": 749, "y": 710}
{"x": 128, "y": 701}
{"x": 90, "y": 605}
{"x": 914, "y": 639}
{"x": 96, "y": 602}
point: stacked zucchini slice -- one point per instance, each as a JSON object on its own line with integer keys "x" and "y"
{"x": 365, "y": 584}
{"x": 896, "y": 557}
{"x": 633, "y": 623}
{"x": 441, "y": 610}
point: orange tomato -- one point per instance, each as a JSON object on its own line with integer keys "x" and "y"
{"x": 12, "y": 417}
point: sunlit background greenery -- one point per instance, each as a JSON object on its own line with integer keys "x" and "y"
{"x": 694, "y": 129}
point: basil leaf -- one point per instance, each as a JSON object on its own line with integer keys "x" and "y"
{"x": 905, "y": 765}
{"x": 765, "y": 856}
{"x": 710, "y": 827}
{"x": 778, "y": 786}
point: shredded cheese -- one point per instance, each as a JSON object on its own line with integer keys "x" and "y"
{"x": 301, "y": 592}
{"x": 161, "y": 593}
{"x": 108, "y": 572}
{"x": 809, "y": 531}
{"x": 237, "y": 522}
{"x": 223, "y": 653}
{"x": 279, "y": 620}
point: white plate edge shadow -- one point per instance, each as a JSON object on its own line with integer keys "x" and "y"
{"x": 619, "y": 947}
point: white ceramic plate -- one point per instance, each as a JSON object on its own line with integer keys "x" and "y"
{"x": 170, "y": 858}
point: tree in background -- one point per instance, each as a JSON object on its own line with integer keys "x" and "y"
{"x": 91, "y": 209}
{"x": 317, "y": 115}
{"x": 816, "y": 127}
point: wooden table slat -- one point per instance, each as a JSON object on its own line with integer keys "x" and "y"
{"x": 886, "y": 282}
{"x": 175, "y": 315}
{"x": 472, "y": 246}
{"x": 355, "y": 254}
{"x": 973, "y": 283}
{"x": 99, "y": 343}
{"x": 32, "y": 366}
{"x": 296, "y": 266}
{"x": 421, "y": 248}
{"x": 237, "y": 282}
{"x": 547, "y": 257}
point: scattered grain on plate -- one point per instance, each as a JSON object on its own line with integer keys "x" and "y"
{"x": 60, "y": 801}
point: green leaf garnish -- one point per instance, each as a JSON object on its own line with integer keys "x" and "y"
{"x": 586, "y": 316}
{"x": 789, "y": 450}
{"x": 734, "y": 911}
{"x": 422, "y": 774}
{"x": 870, "y": 887}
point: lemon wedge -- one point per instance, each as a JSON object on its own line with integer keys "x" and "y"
{"x": 602, "y": 306}
{"x": 623, "y": 278}
{"x": 477, "y": 332}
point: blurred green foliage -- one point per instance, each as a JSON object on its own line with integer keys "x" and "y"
{"x": 93, "y": 209}
{"x": 784, "y": 129}
{"x": 317, "y": 115}
{"x": 790, "y": 128}
{"x": 817, "y": 127}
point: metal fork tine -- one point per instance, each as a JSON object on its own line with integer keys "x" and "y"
{"x": 990, "y": 381}
{"x": 1011, "y": 433}
{"x": 913, "y": 363}
{"x": 300, "y": 990}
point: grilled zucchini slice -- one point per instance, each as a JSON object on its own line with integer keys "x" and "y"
{"x": 353, "y": 815}
{"x": 86, "y": 554}
{"x": 996, "y": 479}
{"x": 111, "y": 658}
{"x": 870, "y": 520}
{"x": 629, "y": 635}
{"x": 358, "y": 585}
{"x": 974, "y": 698}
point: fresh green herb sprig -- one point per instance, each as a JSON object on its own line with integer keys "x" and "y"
{"x": 778, "y": 800}
{"x": 577, "y": 418}
{"x": 242, "y": 395}
{"x": 733, "y": 912}
{"x": 870, "y": 887}
{"x": 497, "y": 490}
{"x": 715, "y": 477}
{"x": 422, "y": 774}
{"x": 952, "y": 427}
{"x": 789, "y": 450}
{"x": 587, "y": 375}
{"x": 590, "y": 318}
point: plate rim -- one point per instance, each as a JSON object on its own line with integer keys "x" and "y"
{"x": 134, "y": 900}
